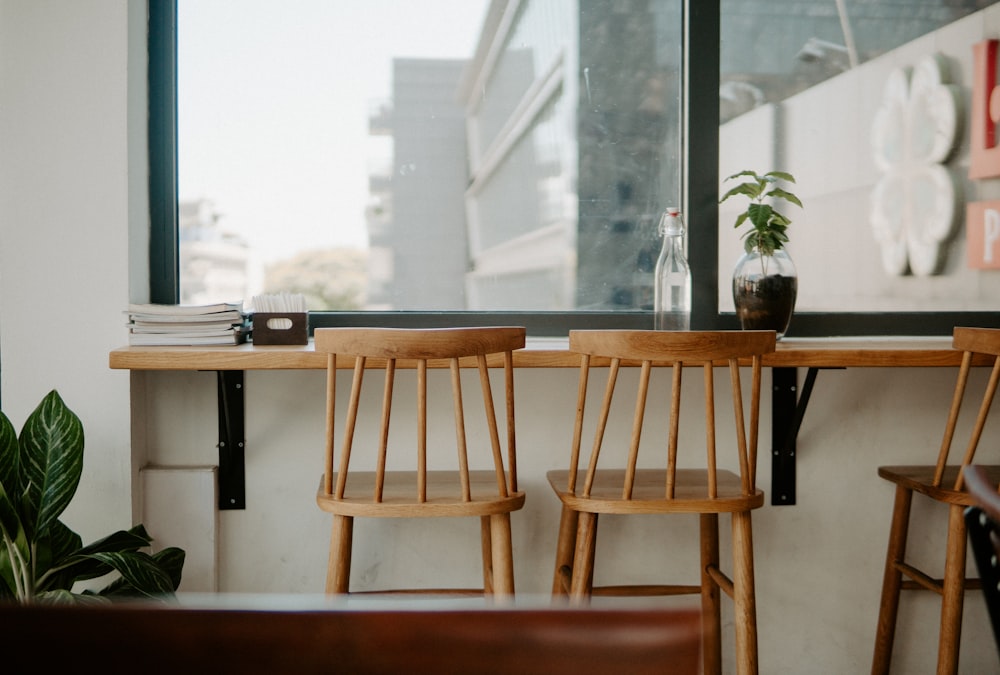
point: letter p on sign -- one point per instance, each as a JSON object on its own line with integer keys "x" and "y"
{"x": 982, "y": 234}
{"x": 991, "y": 232}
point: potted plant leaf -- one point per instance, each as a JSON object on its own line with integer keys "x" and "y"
{"x": 41, "y": 559}
{"x": 765, "y": 282}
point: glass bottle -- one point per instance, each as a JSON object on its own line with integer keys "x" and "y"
{"x": 672, "y": 279}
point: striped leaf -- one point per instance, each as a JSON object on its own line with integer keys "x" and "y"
{"x": 14, "y": 550}
{"x": 64, "y": 597}
{"x": 79, "y": 565}
{"x": 10, "y": 524}
{"x": 60, "y": 597}
{"x": 51, "y": 444}
{"x": 141, "y": 575}
{"x": 52, "y": 555}
{"x": 8, "y": 589}
{"x": 9, "y": 453}
{"x": 171, "y": 561}
{"x": 122, "y": 540}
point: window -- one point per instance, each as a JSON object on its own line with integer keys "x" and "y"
{"x": 515, "y": 162}
{"x": 516, "y": 178}
{"x": 846, "y": 99}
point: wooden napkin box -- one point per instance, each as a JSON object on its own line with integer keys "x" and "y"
{"x": 290, "y": 328}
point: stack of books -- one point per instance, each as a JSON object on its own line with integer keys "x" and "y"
{"x": 217, "y": 324}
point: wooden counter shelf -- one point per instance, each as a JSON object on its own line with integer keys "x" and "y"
{"x": 853, "y": 352}
{"x": 788, "y": 398}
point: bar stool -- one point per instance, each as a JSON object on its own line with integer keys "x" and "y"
{"x": 707, "y": 491}
{"x": 458, "y": 491}
{"x": 942, "y": 483}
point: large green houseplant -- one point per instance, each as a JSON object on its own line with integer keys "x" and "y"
{"x": 765, "y": 282}
{"x": 41, "y": 559}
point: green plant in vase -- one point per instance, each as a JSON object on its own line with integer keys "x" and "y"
{"x": 765, "y": 282}
{"x": 41, "y": 559}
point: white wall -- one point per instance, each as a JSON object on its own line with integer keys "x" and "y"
{"x": 71, "y": 183}
{"x": 71, "y": 227}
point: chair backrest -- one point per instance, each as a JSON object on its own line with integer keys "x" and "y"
{"x": 971, "y": 341}
{"x": 389, "y": 348}
{"x": 675, "y": 349}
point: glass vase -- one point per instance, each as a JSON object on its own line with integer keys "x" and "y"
{"x": 764, "y": 290}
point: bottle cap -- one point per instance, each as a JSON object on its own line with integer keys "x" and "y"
{"x": 671, "y": 223}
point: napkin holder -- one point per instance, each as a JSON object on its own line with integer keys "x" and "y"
{"x": 280, "y": 328}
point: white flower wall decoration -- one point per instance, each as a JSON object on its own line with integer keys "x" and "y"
{"x": 914, "y": 207}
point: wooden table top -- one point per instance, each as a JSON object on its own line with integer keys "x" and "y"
{"x": 832, "y": 352}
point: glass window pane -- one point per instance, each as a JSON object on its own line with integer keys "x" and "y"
{"x": 850, "y": 97}
{"x": 427, "y": 155}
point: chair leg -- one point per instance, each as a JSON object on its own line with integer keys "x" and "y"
{"x": 953, "y": 593}
{"x": 503, "y": 556}
{"x": 564, "y": 551}
{"x": 744, "y": 596}
{"x": 583, "y": 557}
{"x": 486, "y": 539}
{"x": 711, "y": 618}
{"x": 338, "y": 570}
{"x": 892, "y": 581}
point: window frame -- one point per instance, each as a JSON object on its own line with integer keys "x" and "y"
{"x": 700, "y": 195}
{"x": 164, "y": 254}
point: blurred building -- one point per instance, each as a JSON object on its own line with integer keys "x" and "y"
{"x": 809, "y": 41}
{"x": 418, "y": 252}
{"x": 214, "y": 264}
{"x": 534, "y": 180}
{"x": 550, "y": 197}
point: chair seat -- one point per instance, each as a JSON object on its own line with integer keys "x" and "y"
{"x": 399, "y": 496}
{"x": 919, "y": 478}
{"x": 690, "y": 492}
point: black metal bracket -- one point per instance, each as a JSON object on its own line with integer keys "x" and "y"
{"x": 788, "y": 406}
{"x": 232, "y": 471}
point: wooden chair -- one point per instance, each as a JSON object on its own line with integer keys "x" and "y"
{"x": 944, "y": 483}
{"x": 706, "y": 491}
{"x": 490, "y": 495}
{"x": 982, "y": 520}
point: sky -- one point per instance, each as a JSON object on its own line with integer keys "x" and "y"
{"x": 274, "y": 101}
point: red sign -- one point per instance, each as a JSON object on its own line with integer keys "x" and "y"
{"x": 984, "y": 160}
{"x": 982, "y": 219}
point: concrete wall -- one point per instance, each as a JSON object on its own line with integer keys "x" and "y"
{"x": 71, "y": 234}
